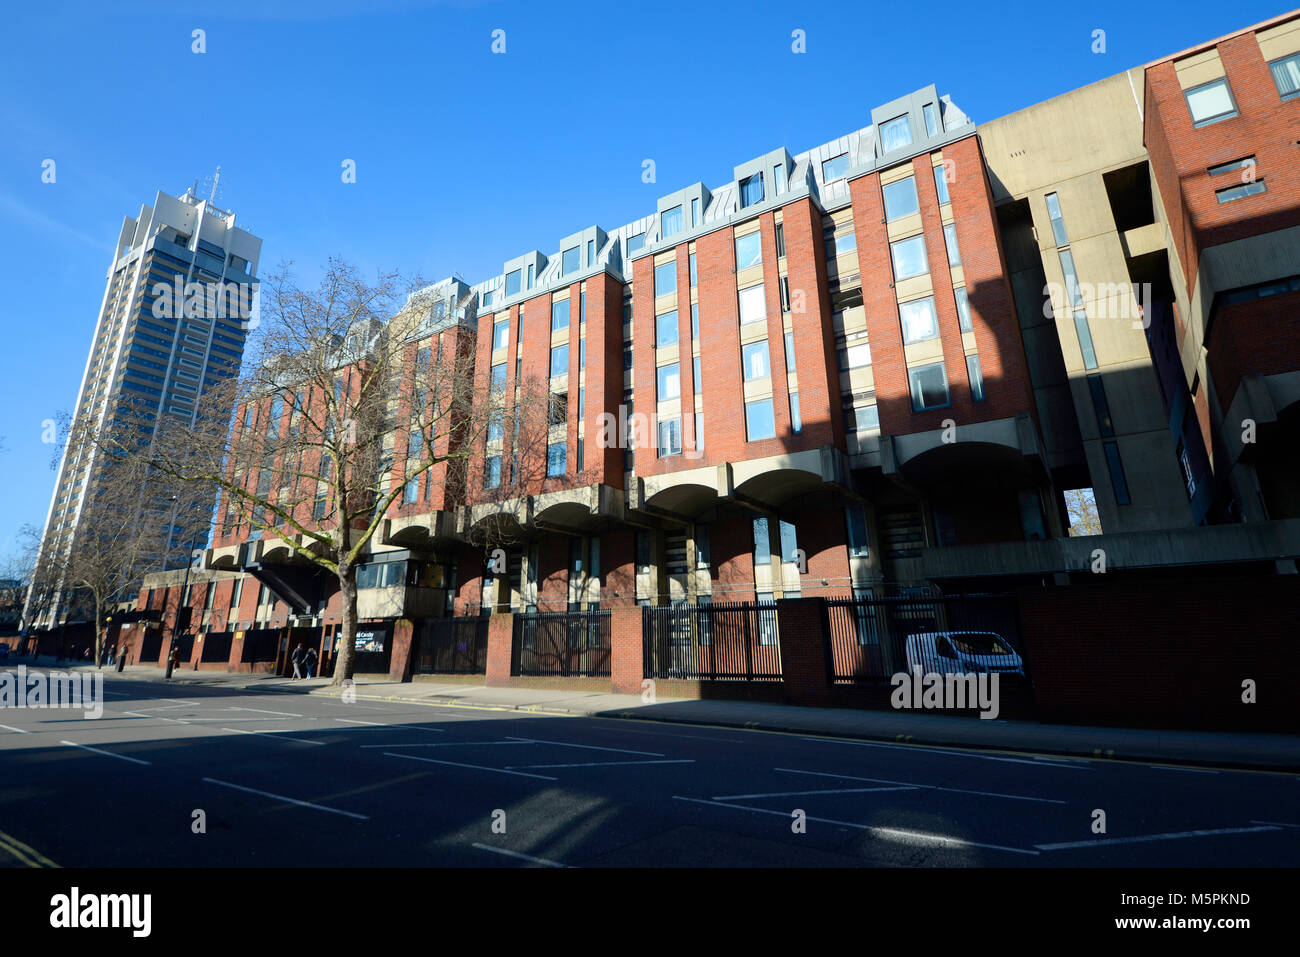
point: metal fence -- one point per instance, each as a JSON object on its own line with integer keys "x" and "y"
{"x": 569, "y": 644}
{"x": 451, "y": 646}
{"x": 872, "y": 639}
{"x": 736, "y": 641}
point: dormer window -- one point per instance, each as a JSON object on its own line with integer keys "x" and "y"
{"x": 670, "y": 222}
{"x": 931, "y": 120}
{"x": 835, "y": 168}
{"x": 512, "y": 283}
{"x": 896, "y": 133}
{"x": 635, "y": 243}
{"x": 569, "y": 260}
{"x": 751, "y": 190}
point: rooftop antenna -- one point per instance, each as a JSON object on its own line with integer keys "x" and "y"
{"x": 216, "y": 187}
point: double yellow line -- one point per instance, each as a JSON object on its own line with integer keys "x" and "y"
{"x": 25, "y": 854}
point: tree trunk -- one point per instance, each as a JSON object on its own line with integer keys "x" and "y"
{"x": 345, "y": 662}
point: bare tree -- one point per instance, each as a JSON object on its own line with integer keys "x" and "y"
{"x": 339, "y": 407}
{"x": 124, "y": 528}
{"x": 1081, "y": 507}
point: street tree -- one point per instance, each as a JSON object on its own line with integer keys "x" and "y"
{"x": 350, "y": 391}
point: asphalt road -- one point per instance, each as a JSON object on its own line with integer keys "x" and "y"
{"x": 307, "y": 780}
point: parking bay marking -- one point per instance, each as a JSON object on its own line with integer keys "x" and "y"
{"x": 273, "y": 734}
{"x": 927, "y": 787}
{"x": 777, "y": 794}
{"x": 887, "y": 833}
{"x": 1144, "y": 838}
{"x": 381, "y": 724}
{"x": 525, "y": 857}
{"x": 107, "y": 754}
{"x": 281, "y": 797}
{"x": 476, "y": 767}
{"x": 606, "y": 764}
{"x": 588, "y": 747}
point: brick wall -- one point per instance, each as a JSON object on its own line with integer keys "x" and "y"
{"x": 1165, "y": 654}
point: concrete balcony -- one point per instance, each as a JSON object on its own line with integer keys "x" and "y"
{"x": 1277, "y": 542}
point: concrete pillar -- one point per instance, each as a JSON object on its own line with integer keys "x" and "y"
{"x": 501, "y": 635}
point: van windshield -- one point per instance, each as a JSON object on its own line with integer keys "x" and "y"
{"x": 979, "y": 643}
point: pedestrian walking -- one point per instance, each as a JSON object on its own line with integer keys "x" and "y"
{"x": 309, "y": 660}
{"x": 299, "y": 654}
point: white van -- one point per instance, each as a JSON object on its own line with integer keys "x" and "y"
{"x": 962, "y": 652}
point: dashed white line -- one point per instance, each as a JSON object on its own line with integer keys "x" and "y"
{"x": 523, "y": 857}
{"x": 107, "y": 754}
{"x": 476, "y": 767}
{"x": 928, "y": 787}
{"x": 14, "y": 730}
{"x": 282, "y": 714}
{"x": 1143, "y": 838}
{"x": 281, "y": 797}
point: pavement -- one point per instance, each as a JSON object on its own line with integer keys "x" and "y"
{"x": 1224, "y": 749}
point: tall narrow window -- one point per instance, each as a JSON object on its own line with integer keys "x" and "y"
{"x": 1116, "y": 467}
{"x": 931, "y": 120}
{"x": 950, "y": 240}
{"x": 963, "y": 309}
{"x": 1057, "y": 220}
{"x": 695, "y": 211}
{"x": 976, "y": 377}
{"x": 941, "y": 185}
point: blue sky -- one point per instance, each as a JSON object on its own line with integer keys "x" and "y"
{"x": 464, "y": 158}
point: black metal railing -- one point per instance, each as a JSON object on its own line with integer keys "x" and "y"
{"x": 735, "y": 641}
{"x": 872, "y": 639}
{"x": 451, "y": 646}
{"x": 569, "y": 644}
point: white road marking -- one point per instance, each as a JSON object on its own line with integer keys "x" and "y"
{"x": 961, "y": 754}
{"x": 281, "y": 797}
{"x": 587, "y": 747}
{"x": 1169, "y": 767}
{"x": 891, "y": 833}
{"x": 927, "y": 787}
{"x": 14, "y": 730}
{"x": 107, "y": 754}
{"x": 445, "y": 744}
{"x": 778, "y": 794}
{"x": 282, "y": 714}
{"x": 1143, "y": 838}
{"x": 523, "y": 857}
{"x": 161, "y": 717}
{"x": 380, "y": 724}
{"x": 607, "y": 764}
{"x": 1276, "y": 823}
{"x": 275, "y": 734}
{"x": 476, "y": 767}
